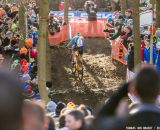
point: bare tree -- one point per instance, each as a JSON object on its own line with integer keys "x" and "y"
{"x": 48, "y": 60}
{"x": 42, "y": 45}
{"x": 66, "y": 11}
{"x": 153, "y": 2}
{"x": 129, "y": 4}
{"x": 113, "y": 5}
{"x": 123, "y": 6}
{"x": 158, "y": 13}
{"x": 136, "y": 32}
{"x": 22, "y": 25}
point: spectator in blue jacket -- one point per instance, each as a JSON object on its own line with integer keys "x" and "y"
{"x": 158, "y": 49}
{"x": 147, "y": 52}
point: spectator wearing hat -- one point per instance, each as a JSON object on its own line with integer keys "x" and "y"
{"x": 51, "y": 106}
{"x": 110, "y": 26}
{"x": 110, "y": 22}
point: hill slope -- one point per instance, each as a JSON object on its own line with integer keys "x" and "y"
{"x": 101, "y": 77}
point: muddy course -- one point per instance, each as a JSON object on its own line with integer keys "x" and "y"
{"x": 100, "y": 79}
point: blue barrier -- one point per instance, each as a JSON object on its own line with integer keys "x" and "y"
{"x": 82, "y": 14}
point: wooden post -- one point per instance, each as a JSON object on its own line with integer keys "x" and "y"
{"x": 42, "y": 43}
{"x": 66, "y": 11}
{"x": 136, "y": 32}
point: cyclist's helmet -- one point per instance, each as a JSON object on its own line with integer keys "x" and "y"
{"x": 78, "y": 34}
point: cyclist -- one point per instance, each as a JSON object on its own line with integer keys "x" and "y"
{"x": 77, "y": 43}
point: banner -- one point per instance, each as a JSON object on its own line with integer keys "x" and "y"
{"x": 81, "y": 25}
{"x": 82, "y": 14}
{"x": 119, "y": 51}
{"x": 146, "y": 18}
{"x": 88, "y": 28}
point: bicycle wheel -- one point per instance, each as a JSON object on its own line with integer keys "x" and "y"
{"x": 80, "y": 71}
{"x": 77, "y": 72}
{"x": 73, "y": 69}
{"x": 80, "y": 74}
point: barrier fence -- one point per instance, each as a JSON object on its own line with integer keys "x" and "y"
{"x": 82, "y": 14}
{"x": 119, "y": 51}
{"x": 89, "y": 29}
{"x": 86, "y": 28}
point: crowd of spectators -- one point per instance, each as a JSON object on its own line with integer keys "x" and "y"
{"x": 18, "y": 113}
{"x": 9, "y": 31}
{"x": 55, "y": 23}
{"x": 22, "y": 61}
{"x": 121, "y": 27}
{"x": 21, "y": 107}
{"x": 22, "y": 113}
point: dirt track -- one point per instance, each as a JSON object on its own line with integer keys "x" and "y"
{"x": 101, "y": 77}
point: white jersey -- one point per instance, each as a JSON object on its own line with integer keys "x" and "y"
{"x": 80, "y": 41}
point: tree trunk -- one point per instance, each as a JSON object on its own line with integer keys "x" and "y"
{"x": 22, "y": 26}
{"x": 129, "y": 4}
{"x": 48, "y": 58}
{"x": 136, "y": 32}
{"x": 158, "y": 13}
{"x": 113, "y": 5}
{"x": 152, "y": 2}
{"x": 151, "y": 41}
{"x": 4, "y": 1}
{"x": 42, "y": 44}
{"x": 66, "y": 11}
{"x": 123, "y": 6}
{"x": 51, "y": 4}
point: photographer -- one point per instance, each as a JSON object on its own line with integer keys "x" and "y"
{"x": 91, "y": 9}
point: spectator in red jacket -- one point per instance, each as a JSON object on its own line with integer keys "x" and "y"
{"x": 142, "y": 50}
